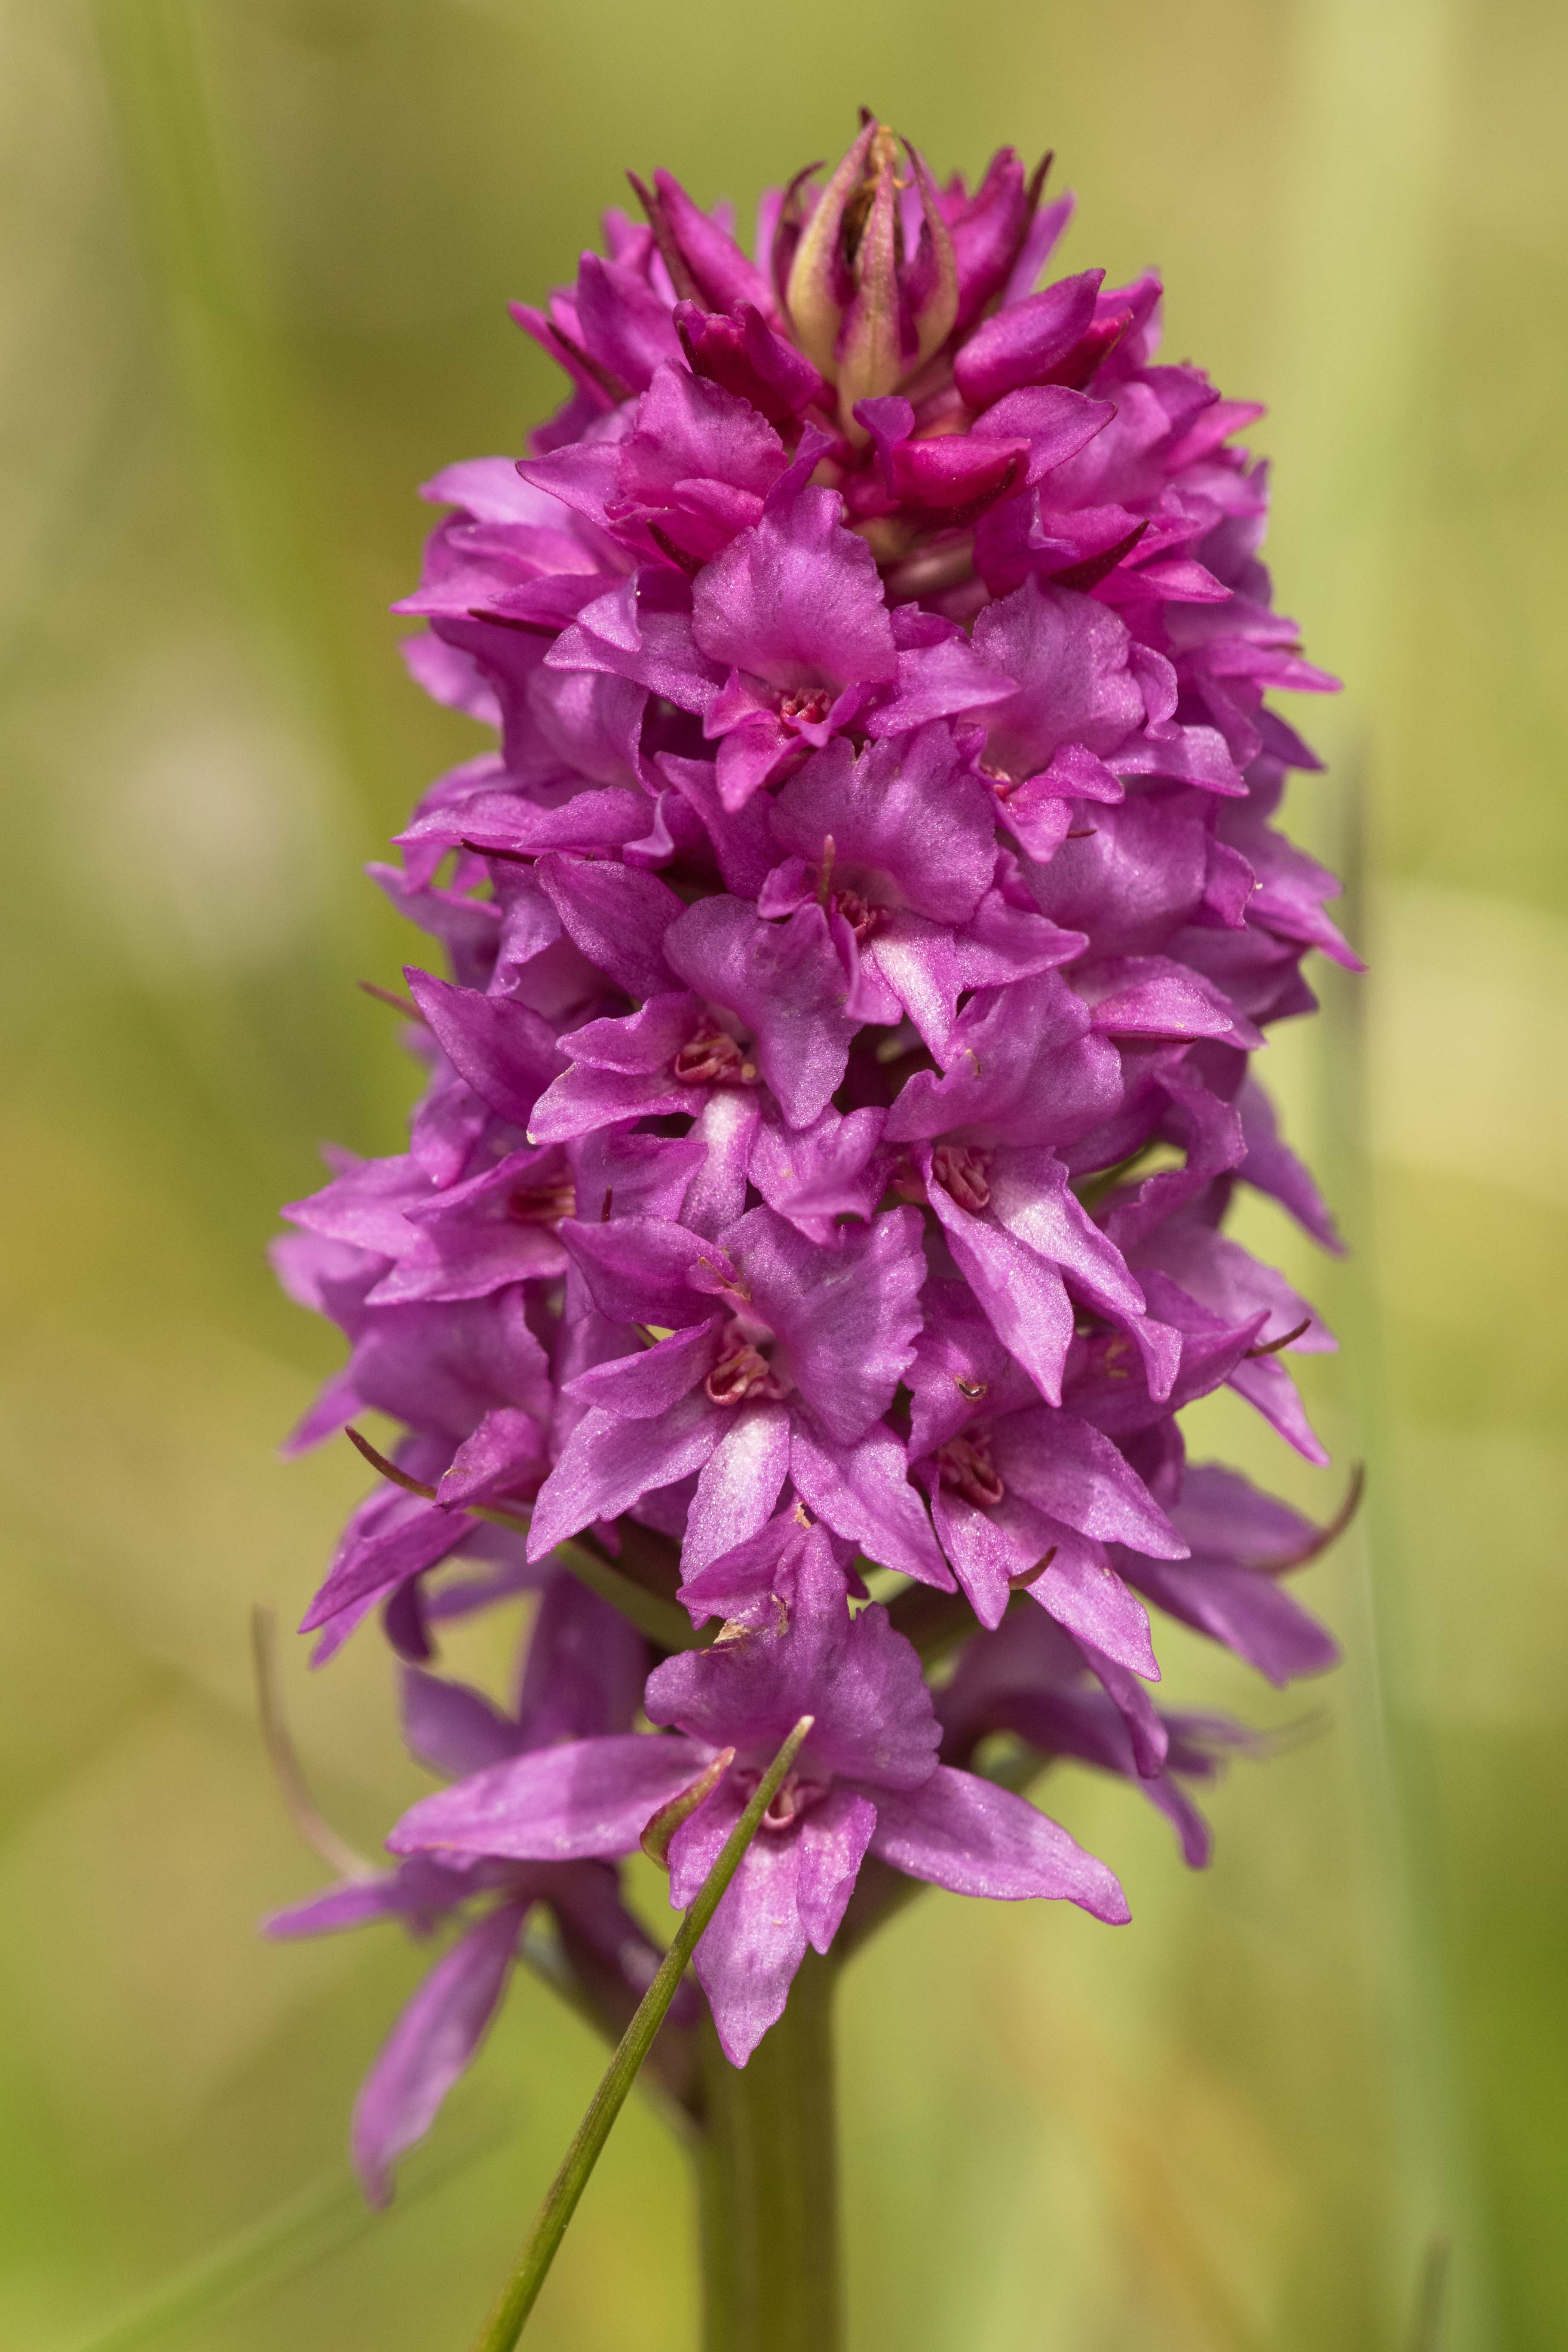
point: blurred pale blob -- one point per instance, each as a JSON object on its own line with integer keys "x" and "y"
{"x": 1197, "y": 2133}
{"x": 1469, "y": 1049}
{"x": 200, "y": 824}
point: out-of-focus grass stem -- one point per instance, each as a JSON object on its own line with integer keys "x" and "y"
{"x": 231, "y": 362}
{"x": 233, "y": 375}
{"x": 1359, "y": 272}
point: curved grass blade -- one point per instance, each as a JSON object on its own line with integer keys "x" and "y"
{"x": 507, "y": 2320}
{"x": 310, "y": 2228}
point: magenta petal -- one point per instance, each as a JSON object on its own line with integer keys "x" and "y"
{"x": 366, "y": 1205}
{"x": 752, "y": 1947}
{"x": 1055, "y": 423}
{"x": 641, "y": 1269}
{"x": 834, "y": 1837}
{"x": 1069, "y": 655}
{"x": 452, "y": 1728}
{"x": 857, "y": 1677}
{"x": 625, "y": 325}
{"x": 1083, "y": 1591}
{"x": 796, "y": 599}
{"x": 738, "y": 1486}
{"x": 989, "y": 1547}
{"x": 642, "y": 1044}
{"x": 763, "y": 1563}
{"x": 584, "y": 1099}
{"x": 743, "y": 354}
{"x": 724, "y": 275}
{"x": 1145, "y": 1728}
{"x": 965, "y": 1834}
{"x": 607, "y": 1465}
{"x": 1269, "y": 1387}
{"x": 722, "y": 1131}
{"x": 1068, "y": 1470}
{"x": 1021, "y": 1068}
{"x": 697, "y": 1844}
{"x": 616, "y": 915}
{"x": 396, "y": 1536}
{"x": 431, "y": 2044}
{"x": 506, "y": 1451}
{"x": 585, "y": 1668}
{"x": 1273, "y": 1167}
{"x": 583, "y": 1798}
{"x": 1024, "y": 341}
{"x": 1247, "y": 1611}
{"x": 653, "y": 1379}
{"x": 1222, "y": 1514}
{"x": 863, "y": 1492}
{"x": 909, "y": 827}
{"x": 506, "y": 1052}
{"x": 416, "y": 1889}
{"x": 846, "y": 1317}
{"x": 1023, "y": 1293}
{"x": 784, "y": 982}
{"x": 592, "y": 821}
{"x": 815, "y": 1175}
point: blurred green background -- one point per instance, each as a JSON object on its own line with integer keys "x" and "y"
{"x": 257, "y": 254}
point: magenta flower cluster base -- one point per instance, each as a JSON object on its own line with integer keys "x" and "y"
{"x": 854, "y": 953}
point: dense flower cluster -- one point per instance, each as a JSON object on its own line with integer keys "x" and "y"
{"x": 857, "y": 942}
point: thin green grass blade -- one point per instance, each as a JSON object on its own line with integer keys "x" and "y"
{"x": 321, "y": 2220}
{"x": 510, "y": 2315}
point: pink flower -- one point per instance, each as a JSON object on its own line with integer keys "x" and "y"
{"x": 859, "y": 937}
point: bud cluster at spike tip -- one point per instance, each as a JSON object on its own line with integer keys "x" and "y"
{"x": 854, "y": 951}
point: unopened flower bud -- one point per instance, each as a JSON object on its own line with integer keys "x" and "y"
{"x": 866, "y": 315}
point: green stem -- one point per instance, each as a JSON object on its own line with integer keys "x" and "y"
{"x": 768, "y": 2183}
{"x": 521, "y": 2293}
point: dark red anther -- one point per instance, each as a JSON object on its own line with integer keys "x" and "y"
{"x": 1094, "y": 568}
{"x": 682, "y": 558}
{"x": 542, "y": 1205}
{"x": 712, "y": 1060}
{"x": 480, "y": 849}
{"x": 1089, "y": 353}
{"x": 862, "y": 918}
{"x": 806, "y": 705}
{"x": 965, "y": 1467}
{"x": 686, "y": 286}
{"x": 963, "y": 1172}
{"x": 741, "y": 1372}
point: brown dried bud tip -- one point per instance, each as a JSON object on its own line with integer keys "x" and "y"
{"x": 1028, "y": 1576}
{"x": 655, "y": 1839}
{"x": 866, "y": 313}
